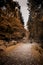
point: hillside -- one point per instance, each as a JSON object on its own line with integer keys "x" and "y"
{"x": 11, "y": 26}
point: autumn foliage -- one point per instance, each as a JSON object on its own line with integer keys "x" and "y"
{"x": 11, "y": 21}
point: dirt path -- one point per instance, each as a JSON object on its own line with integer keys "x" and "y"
{"x": 25, "y": 54}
